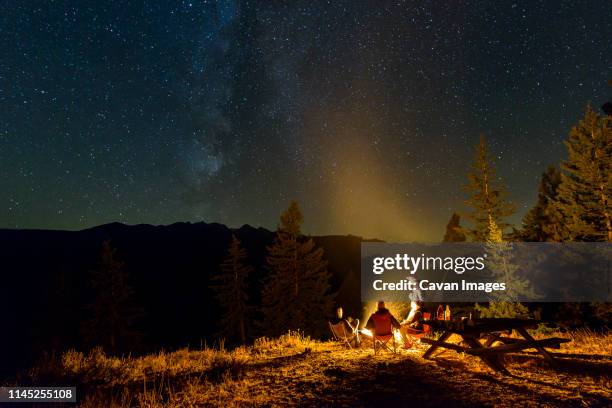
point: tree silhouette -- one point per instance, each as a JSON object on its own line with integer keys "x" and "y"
{"x": 296, "y": 293}
{"x": 487, "y": 195}
{"x": 454, "y": 232}
{"x": 111, "y": 316}
{"x": 543, "y": 223}
{"x": 585, "y": 192}
{"x": 231, "y": 291}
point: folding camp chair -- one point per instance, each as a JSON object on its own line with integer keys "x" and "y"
{"x": 417, "y": 334}
{"x": 344, "y": 333}
{"x": 383, "y": 333}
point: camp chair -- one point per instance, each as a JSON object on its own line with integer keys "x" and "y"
{"x": 343, "y": 333}
{"x": 418, "y": 334}
{"x": 383, "y": 333}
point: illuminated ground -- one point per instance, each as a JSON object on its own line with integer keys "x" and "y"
{"x": 294, "y": 371}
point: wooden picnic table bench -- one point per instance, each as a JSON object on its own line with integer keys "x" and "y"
{"x": 492, "y": 330}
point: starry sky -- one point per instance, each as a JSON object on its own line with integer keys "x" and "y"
{"x": 365, "y": 112}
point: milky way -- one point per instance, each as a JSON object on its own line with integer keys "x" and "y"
{"x": 366, "y": 113}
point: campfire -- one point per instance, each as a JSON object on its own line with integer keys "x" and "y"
{"x": 366, "y": 332}
{"x": 398, "y": 337}
{"x": 396, "y": 333}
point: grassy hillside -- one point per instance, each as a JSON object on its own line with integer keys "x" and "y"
{"x": 293, "y": 370}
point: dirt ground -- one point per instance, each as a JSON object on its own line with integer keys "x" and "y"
{"x": 334, "y": 376}
{"x": 296, "y": 371}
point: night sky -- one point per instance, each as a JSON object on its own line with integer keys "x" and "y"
{"x": 365, "y": 112}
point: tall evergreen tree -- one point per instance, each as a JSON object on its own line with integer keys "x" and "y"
{"x": 454, "y": 232}
{"x": 500, "y": 262}
{"x": 231, "y": 291}
{"x": 296, "y": 294}
{"x": 585, "y": 192}
{"x": 487, "y": 195}
{"x": 111, "y": 315}
{"x": 543, "y": 223}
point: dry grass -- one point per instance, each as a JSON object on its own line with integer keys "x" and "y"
{"x": 295, "y": 370}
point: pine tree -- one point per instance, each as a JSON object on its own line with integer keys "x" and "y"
{"x": 111, "y": 316}
{"x": 499, "y": 261}
{"x": 487, "y": 195}
{"x": 296, "y": 293}
{"x": 585, "y": 192}
{"x": 231, "y": 291}
{"x": 543, "y": 223}
{"x": 454, "y": 232}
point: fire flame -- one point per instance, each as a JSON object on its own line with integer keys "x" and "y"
{"x": 396, "y": 333}
{"x": 398, "y": 337}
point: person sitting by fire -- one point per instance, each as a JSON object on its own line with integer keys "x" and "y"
{"x": 412, "y": 323}
{"x": 381, "y": 313}
{"x": 350, "y": 324}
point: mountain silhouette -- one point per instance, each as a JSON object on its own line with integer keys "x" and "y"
{"x": 45, "y": 286}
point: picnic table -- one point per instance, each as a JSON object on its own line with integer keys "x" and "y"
{"x": 492, "y": 330}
